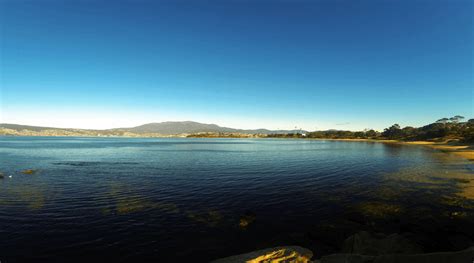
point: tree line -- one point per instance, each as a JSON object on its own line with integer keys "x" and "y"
{"x": 442, "y": 129}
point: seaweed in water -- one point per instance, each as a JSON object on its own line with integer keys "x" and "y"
{"x": 29, "y": 171}
{"x": 247, "y": 219}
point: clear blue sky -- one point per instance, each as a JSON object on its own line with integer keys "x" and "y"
{"x": 250, "y": 64}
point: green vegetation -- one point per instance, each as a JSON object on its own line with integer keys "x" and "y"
{"x": 442, "y": 129}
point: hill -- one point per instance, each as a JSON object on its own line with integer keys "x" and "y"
{"x": 168, "y": 128}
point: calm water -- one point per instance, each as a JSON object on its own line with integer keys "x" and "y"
{"x": 174, "y": 199}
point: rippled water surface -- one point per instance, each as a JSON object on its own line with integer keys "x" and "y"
{"x": 168, "y": 200}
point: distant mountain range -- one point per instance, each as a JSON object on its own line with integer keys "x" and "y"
{"x": 168, "y": 128}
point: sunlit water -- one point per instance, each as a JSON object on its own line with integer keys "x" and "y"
{"x": 168, "y": 200}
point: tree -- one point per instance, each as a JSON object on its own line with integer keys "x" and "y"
{"x": 456, "y": 118}
{"x": 359, "y": 134}
{"x": 409, "y": 132}
{"x": 443, "y": 120}
{"x": 459, "y": 117}
{"x": 371, "y": 134}
{"x": 394, "y": 132}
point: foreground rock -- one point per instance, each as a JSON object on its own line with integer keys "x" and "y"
{"x": 295, "y": 254}
{"x": 277, "y": 254}
{"x": 362, "y": 247}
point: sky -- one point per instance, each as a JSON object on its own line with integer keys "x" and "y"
{"x": 314, "y": 65}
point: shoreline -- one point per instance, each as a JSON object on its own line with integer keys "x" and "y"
{"x": 463, "y": 150}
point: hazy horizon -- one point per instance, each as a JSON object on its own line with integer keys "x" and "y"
{"x": 314, "y": 65}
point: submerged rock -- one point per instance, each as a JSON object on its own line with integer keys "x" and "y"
{"x": 29, "y": 171}
{"x": 2, "y": 176}
{"x": 330, "y": 235}
{"x": 365, "y": 243}
{"x": 379, "y": 209}
{"x": 464, "y": 256}
{"x": 211, "y": 218}
{"x": 346, "y": 258}
{"x": 440, "y": 257}
{"x": 248, "y": 218}
{"x": 277, "y": 254}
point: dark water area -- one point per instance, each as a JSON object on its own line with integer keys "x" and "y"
{"x": 172, "y": 200}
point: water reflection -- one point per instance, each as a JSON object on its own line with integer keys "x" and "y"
{"x": 393, "y": 149}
